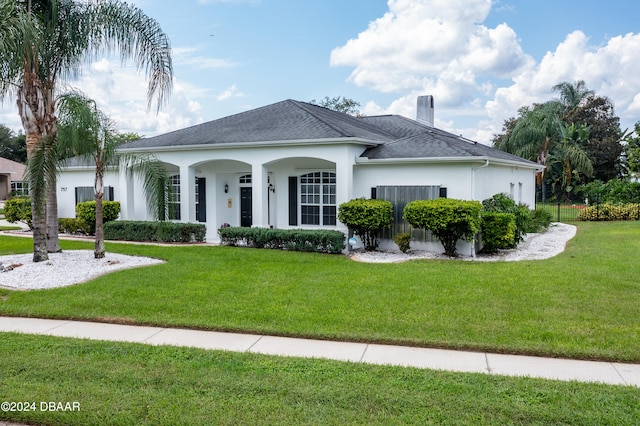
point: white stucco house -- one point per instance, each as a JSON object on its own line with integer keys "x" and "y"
{"x": 291, "y": 164}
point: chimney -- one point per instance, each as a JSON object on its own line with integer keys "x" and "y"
{"x": 425, "y": 110}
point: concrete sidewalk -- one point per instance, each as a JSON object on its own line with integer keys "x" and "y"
{"x": 437, "y": 359}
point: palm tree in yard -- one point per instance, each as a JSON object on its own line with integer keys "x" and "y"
{"x": 568, "y": 161}
{"x": 572, "y": 94}
{"x": 48, "y": 43}
{"x": 86, "y": 132}
{"x": 536, "y": 133}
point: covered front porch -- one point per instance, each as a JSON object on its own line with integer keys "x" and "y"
{"x": 278, "y": 192}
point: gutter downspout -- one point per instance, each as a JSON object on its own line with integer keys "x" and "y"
{"x": 473, "y": 197}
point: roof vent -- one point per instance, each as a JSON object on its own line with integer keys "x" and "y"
{"x": 425, "y": 110}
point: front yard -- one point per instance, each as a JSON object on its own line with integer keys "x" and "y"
{"x": 581, "y": 304}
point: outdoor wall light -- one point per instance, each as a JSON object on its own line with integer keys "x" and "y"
{"x": 226, "y": 188}
{"x": 272, "y": 188}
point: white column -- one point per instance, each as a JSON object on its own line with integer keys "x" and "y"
{"x": 260, "y": 200}
{"x": 344, "y": 181}
{"x": 124, "y": 194}
{"x": 187, "y": 194}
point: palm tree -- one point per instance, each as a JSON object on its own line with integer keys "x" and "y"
{"x": 86, "y": 132}
{"x": 51, "y": 41}
{"x": 536, "y": 133}
{"x": 572, "y": 95}
{"x": 570, "y": 159}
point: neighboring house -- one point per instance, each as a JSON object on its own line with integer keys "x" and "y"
{"x": 291, "y": 164}
{"x": 11, "y": 178}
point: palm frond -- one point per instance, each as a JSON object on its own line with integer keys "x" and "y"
{"x": 136, "y": 36}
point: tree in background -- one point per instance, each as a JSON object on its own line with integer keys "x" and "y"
{"x": 604, "y": 145}
{"x": 340, "y": 104}
{"x": 535, "y": 134}
{"x": 568, "y": 161}
{"x": 563, "y": 122}
{"x": 44, "y": 42}
{"x": 572, "y": 95}
{"x": 631, "y": 156}
{"x": 12, "y": 146}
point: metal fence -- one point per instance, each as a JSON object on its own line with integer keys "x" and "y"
{"x": 570, "y": 212}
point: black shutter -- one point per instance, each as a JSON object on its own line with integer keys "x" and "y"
{"x": 293, "y": 201}
{"x": 374, "y": 193}
{"x": 443, "y": 193}
{"x": 201, "y": 204}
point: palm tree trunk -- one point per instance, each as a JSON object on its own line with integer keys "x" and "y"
{"x": 31, "y": 108}
{"x": 38, "y": 208}
{"x": 99, "y": 250}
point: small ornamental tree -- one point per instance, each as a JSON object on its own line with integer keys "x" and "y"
{"x": 448, "y": 219}
{"x": 366, "y": 218}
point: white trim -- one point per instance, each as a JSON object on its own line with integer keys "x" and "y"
{"x": 295, "y": 142}
{"x": 484, "y": 159}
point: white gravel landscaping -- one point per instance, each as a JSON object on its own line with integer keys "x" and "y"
{"x": 63, "y": 269}
{"x": 534, "y": 247}
{"x": 78, "y": 266}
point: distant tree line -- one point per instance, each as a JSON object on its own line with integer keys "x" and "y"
{"x": 12, "y": 146}
{"x": 576, "y": 136}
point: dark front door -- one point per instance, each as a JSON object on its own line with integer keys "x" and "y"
{"x": 201, "y": 199}
{"x": 245, "y": 207}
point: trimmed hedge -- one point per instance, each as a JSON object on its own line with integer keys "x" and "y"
{"x": 366, "y": 218}
{"x": 319, "y": 241}
{"x": 448, "y": 219}
{"x": 86, "y": 212}
{"x": 498, "y": 231}
{"x": 610, "y": 212}
{"x": 167, "y": 232}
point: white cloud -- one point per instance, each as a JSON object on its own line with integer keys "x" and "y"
{"x": 443, "y": 48}
{"x": 609, "y": 70}
{"x": 229, "y": 93}
{"x": 190, "y": 57}
{"x": 432, "y": 46}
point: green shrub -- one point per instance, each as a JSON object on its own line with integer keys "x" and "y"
{"x": 320, "y": 241}
{"x": 18, "y": 210}
{"x": 448, "y": 219}
{"x": 498, "y": 231}
{"x": 603, "y": 212}
{"x": 615, "y": 191}
{"x": 366, "y": 218}
{"x": 403, "y": 240}
{"x": 86, "y": 212}
{"x": 502, "y": 203}
{"x": 73, "y": 226}
{"x": 169, "y": 232}
{"x": 540, "y": 220}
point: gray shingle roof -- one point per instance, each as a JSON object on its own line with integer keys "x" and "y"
{"x": 390, "y": 136}
{"x": 287, "y": 120}
{"x": 416, "y": 140}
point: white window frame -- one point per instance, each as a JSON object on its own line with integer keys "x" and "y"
{"x": 318, "y": 189}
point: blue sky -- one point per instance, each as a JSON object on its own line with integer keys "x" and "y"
{"x": 481, "y": 59}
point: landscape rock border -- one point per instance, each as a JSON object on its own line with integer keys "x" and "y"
{"x": 535, "y": 247}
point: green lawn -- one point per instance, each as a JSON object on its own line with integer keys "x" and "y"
{"x": 580, "y": 304}
{"x": 134, "y": 384}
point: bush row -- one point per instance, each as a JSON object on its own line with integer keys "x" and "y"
{"x": 319, "y": 241}
{"x": 610, "y": 212}
{"x": 168, "y": 232}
